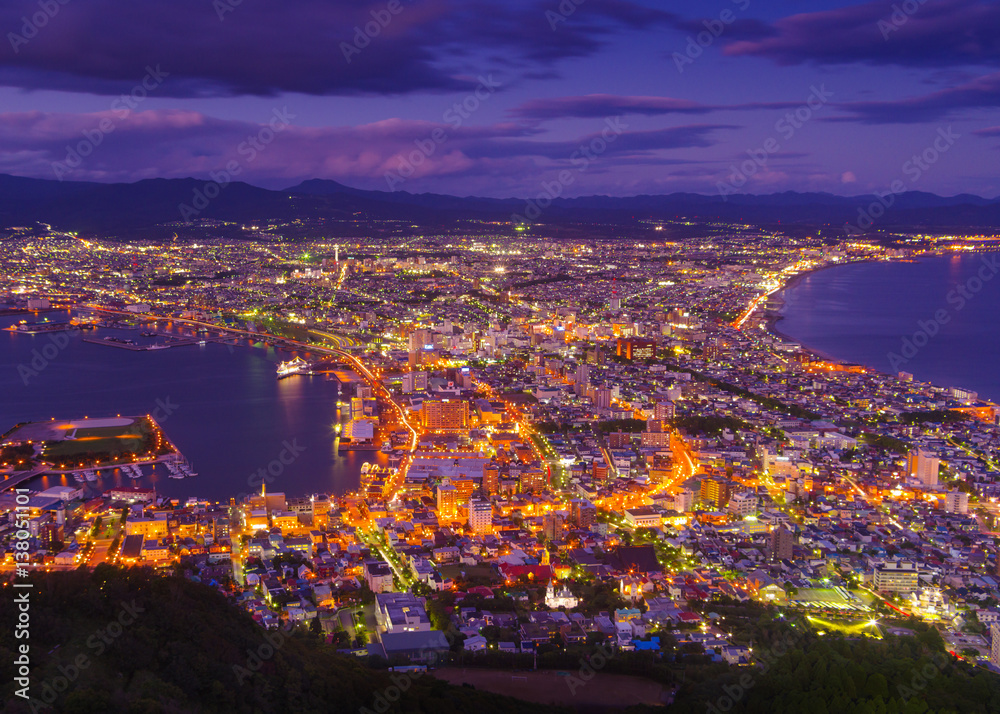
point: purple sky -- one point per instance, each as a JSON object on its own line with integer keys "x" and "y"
{"x": 539, "y": 81}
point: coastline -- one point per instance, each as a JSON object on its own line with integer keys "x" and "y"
{"x": 771, "y": 323}
{"x": 772, "y": 318}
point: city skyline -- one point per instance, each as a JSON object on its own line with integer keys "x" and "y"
{"x": 590, "y": 356}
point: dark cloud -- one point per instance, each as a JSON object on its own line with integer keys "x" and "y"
{"x": 267, "y": 48}
{"x": 988, "y": 132}
{"x": 607, "y": 136}
{"x": 604, "y": 105}
{"x": 982, "y": 92}
{"x": 182, "y": 143}
{"x": 937, "y": 33}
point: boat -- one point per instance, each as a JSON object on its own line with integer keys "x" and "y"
{"x": 148, "y": 334}
{"x": 90, "y": 475}
{"x": 295, "y": 366}
{"x": 386, "y": 448}
{"x": 158, "y": 346}
{"x": 135, "y": 472}
{"x": 79, "y": 478}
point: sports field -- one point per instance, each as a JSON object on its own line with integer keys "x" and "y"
{"x": 86, "y": 442}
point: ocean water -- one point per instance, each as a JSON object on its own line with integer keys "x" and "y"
{"x": 937, "y": 318}
{"x": 221, "y": 405}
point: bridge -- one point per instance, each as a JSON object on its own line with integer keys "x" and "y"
{"x": 13, "y": 481}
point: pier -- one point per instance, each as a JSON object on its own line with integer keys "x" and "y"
{"x": 159, "y": 346}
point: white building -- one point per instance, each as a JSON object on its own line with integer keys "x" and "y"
{"x": 480, "y": 515}
{"x": 743, "y": 504}
{"x": 360, "y": 431}
{"x": 684, "y": 501}
{"x": 956, "y": 502}
{"x": 563, "y": 598}
{"x": 900, "y": 576}
{"x": 401, "y": 612}
{"x": 923, "y": 466}
{"x": 643, "y": 517}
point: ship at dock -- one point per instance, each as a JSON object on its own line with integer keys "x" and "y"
{"x": 292, "y": 367}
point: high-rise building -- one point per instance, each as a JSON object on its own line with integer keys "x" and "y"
{"x": 602, "y": 398}
{"x": 583, "y": 374}
{"x": 446, "y": 499}
{"x": 419, "y": 339}
{"x": 684, "y": 501}
{"x": 583, "y": 513}
{"x": 896, "y": 576}
{"x": 743, "y": 504}
{"x": 995, "y": 644}
{"x": 664, "y": 410}
{"x": 445, "y": 415}
{"x": 635, "y": 348}
{"x": 956, "y": 502}
{"x": 619, "y": 439}
{"x": 480, "y": 515}
{"x": 780, "y": 543}
{"x": 716, "y": 491}
{"x": 51, "y": 535}
{"x": 491, "y": 478}
{"x": 601, "y": 471}
{"x": 465, "y": 486}
{"x": 552, "y": 525}
{"x": 923, "y": 466}
{"x": 655, "y": 438}
{"x": 532, "y": 480}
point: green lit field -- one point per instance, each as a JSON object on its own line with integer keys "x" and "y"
{"x": 84, "y": 443}
{"x": 848, "y": 628}
{"x": 831, "y": 600}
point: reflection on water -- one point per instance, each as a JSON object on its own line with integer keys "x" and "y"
{"x": 865, "y": 312}
{"x": 232, "y": 415}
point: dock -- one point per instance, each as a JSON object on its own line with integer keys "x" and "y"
{"x": 160, "y": 346}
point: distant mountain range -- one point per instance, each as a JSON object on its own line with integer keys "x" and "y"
{"x": 119, "y": 209}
